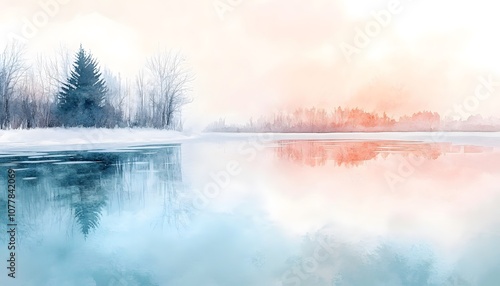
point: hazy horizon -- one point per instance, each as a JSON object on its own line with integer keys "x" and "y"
{"x": 253, "y": 58}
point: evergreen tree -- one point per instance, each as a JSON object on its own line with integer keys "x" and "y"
{"x": 82, "y": 99}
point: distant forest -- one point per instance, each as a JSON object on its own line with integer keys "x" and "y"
{"x": 63, "y": 91}
{"x": 314, "y": 120}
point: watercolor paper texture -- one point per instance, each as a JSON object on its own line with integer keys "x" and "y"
{"x": 249, "y": 142}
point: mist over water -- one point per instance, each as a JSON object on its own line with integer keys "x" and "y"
{"x": 236, "y": 212}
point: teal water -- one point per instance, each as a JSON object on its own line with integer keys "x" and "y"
{"x": 255, "y": 213}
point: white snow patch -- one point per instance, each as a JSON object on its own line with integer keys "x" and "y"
{"x": 38, "y": 162}
{"x": 76, "y": 162}
{"x": 62, "y": 139}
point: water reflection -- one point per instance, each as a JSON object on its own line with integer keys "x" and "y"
{"x": 126, "y": 216}
{"x": 353, "y": 153}
{"x": 83, "y": 184}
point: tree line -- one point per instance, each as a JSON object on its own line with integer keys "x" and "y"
{"x": 63, "y": 91}
{"x": 319, "y": 120}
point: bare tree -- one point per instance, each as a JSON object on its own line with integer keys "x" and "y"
{"x": 28, "y": 103}
{"x": 127, "y": 95}
{"x": 142, "y": 116}
{"x": 168, "y": 82}
{"x": 116, "y": 97}
{"x": 12, "y": 69}
{"x": 51, "y": 71}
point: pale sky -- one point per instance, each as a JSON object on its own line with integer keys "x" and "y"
{"x": 254, "y": 57}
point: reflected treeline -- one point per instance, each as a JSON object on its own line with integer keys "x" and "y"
{"x": 79, "y": 188}
{"x": 354, "y": 153}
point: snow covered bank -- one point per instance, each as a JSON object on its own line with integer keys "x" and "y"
{"x": 61, "y": 139}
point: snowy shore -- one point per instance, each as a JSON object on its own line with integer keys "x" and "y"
{"x": 60, "y": 139}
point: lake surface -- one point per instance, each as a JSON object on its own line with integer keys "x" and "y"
{"x": 256, "y": 211}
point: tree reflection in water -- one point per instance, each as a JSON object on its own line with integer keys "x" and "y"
{"x": 354, "y": 153}
{"x": 92, "y": 183}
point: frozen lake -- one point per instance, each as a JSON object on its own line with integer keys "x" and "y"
{"x": 275, "y": 209}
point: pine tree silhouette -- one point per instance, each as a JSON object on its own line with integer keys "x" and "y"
{"x": 88, "y": 216}
{"x": 82, "y": 99}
